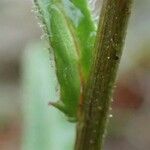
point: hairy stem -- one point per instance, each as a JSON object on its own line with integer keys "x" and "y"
{"x": 98, "y": 92}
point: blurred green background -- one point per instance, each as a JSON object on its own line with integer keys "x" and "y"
{"x": 28, "y": 83}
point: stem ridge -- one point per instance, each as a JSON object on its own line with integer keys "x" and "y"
{"x": 91, "y": 128}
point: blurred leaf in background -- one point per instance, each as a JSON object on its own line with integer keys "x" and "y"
{"x": 44, "y": 127}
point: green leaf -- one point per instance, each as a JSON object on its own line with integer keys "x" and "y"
{"x": 71, "y": 33}
{"x": 85, "y": 30}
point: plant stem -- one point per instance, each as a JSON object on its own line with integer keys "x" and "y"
{"x": 98, "y": 92}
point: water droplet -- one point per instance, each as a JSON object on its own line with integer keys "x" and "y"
{"x": 42, "y": 37}
{"x": 32, "y": 10}
{"x": 99, "y": 108}
{"x": 104, "y": 136}
{"x": 110, "y": 116}
{"x": 115, "y": 86}
{"x": 39, "y": 23}
{"x": 91, "y": 141}
{"x": 94, "y": 131}
{"x": 108, "y": 47}
{"x": 96, "y": 100}
{"x": 42, "y": 25}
